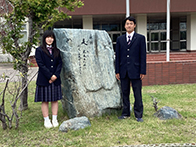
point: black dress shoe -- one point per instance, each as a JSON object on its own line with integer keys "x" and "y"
{"x": 139, "y": 119}
{"x": 123, "y": 117}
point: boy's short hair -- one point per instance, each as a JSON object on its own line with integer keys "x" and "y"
{"x": 130, "y": 18}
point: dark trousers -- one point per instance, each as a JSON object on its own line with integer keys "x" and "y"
{"x": 138, "y": 104}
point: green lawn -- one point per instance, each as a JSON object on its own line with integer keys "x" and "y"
{"x": 108, "y": 130}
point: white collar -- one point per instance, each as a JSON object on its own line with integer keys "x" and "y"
{"x": 48, "y": 45}
{"x": 131, "y": 34}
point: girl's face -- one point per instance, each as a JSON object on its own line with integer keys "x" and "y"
{"x": 49, "y": 40}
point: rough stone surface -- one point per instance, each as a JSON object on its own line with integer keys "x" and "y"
{"x": 88, "y": 78}
{"x": 167, "y": 113}
{"x": 75, "y": 124}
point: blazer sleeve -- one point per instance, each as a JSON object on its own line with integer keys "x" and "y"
{"x": 42, "y": 67}
{"x": 117, "y": 61}
{"x": 143, "y": 56}
{"x": 59, "y": 66}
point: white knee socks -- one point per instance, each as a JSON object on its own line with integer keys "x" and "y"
{"x": 46, "y": 118}
{"x": 54, "y": 117}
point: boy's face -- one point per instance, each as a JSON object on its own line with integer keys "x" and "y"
{"x": 129, "y": 26}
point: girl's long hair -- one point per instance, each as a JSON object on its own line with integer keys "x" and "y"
{"x": 50, "y": 33}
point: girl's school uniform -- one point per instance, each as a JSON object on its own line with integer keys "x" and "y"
{"x": 48, "y": 66}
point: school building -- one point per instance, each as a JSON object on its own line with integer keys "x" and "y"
{"x": 151, "y": 21}
{"x": 151, "y": 16}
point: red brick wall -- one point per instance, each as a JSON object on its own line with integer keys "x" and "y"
{"x": 173, "y": 72}
{"x": 32, "y": 61}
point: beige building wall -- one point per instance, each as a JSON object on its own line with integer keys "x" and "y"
{"x": 141, "y": 25}
{"x": 87, "y": 21}
{"x": 191, "y": 32}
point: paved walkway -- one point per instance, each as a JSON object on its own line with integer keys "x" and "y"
{"x": 7, "y": 69}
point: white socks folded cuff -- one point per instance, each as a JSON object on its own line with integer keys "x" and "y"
{"x": 48, "y": 124}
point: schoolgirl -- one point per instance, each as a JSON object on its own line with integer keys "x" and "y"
{"x": 48, "y": 84}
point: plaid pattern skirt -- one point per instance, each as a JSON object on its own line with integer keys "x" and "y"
{"x": 48, "y": 93}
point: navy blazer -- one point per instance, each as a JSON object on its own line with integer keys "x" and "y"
{"x": 131, "y": 58}
{"x": 48, "y": 66}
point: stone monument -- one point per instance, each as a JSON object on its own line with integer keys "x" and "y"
{"x": 88, "y": 78}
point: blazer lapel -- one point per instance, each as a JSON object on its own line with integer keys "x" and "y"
{"x": 125, "y": 39}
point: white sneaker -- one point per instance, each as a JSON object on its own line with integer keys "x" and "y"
{"x": 55, "y": 123}
{"x": 48, "y": 124}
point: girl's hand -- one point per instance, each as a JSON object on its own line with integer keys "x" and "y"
{"x": 53, "y": 78}
{"x": 50, "y": 81}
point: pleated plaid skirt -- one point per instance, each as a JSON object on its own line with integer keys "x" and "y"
{"x": 48, "y": 93}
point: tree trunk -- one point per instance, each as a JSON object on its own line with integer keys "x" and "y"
{"x": 24, "y": 95}
{"x": 2, "y": 108}
{"x": 4, "y": 125}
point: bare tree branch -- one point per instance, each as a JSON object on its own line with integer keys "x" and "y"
{"x": 24, "y": 89}
{"x": 15, "y": 115}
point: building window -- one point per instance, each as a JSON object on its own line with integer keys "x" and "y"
{"x": 107, "y": 27}
{"x": 74, "y": 23}
{"x": 24, "y": 33}
{"x": 156, "y": 37}
{"x": 183, "y": 36}
{"x": 114, "y": 31}
{"x": 156, "y": 26}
